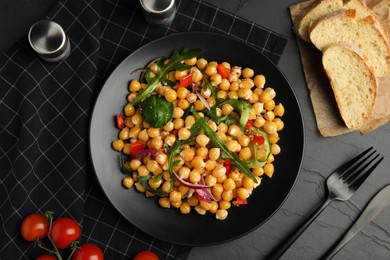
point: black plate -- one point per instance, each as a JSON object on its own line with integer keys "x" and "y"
{"x": 168, "y": 224}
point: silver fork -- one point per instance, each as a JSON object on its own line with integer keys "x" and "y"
{"x": 341, "y": 184}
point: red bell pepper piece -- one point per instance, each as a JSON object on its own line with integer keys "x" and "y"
{"x": 136, "y": 147}
{"x": 228, "y": 165}
{"x": 186, "y": 80}
{"x": 223, "y": 71}
{"x": 258, "y": 139}
{"x": 249, "y": 124}
{"x": 120, "y": 121}
{"x": 239, "y": 202}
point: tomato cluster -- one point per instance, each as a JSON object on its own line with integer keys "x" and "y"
{"x": 62, "y": 233}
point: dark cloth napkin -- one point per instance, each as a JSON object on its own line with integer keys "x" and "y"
{"x": 45, "y": 110}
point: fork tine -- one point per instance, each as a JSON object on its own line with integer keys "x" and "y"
{"x": 348, "y": 167}
{"x": 350, "y": 172}
{"x": 355, "y": 184}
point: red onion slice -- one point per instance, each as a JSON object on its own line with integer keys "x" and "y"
{"x": 189, "y": 184}
{"x": 145, "y": 153}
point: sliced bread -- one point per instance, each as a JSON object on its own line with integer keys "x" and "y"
{"x": 323, "y": 7}
{"x": 353, "y": 83}
{"x": 343, "y": 27}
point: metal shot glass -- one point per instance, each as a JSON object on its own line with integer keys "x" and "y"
{"x": 159, "y": 12}
{"x": 49, "y": 41}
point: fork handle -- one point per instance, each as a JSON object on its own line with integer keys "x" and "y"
{"x": 282, "y": 248}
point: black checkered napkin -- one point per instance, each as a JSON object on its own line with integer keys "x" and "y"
{"x": 45, "y": 110}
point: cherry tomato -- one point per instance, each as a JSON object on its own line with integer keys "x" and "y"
{"x": 34, "y": 226}
{"x": 146, "y": 255}
{"x": 46, "y": 257}
{"x": 239, "y": 202}
{"x": 88, "y": 252}
{"x": 64, "y": 231}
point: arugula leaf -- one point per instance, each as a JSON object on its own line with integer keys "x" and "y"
{"x": 176, "y": 147}
{"x": 175, "y": 63}
{"x": 235, "y": 159}
{"x": 122, "y": 165}
{"x": 144, "y": 182}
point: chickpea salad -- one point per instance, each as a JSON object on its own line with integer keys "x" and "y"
{"x": 198, "y": 135}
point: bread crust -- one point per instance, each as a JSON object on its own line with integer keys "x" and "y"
{"x": 308, "y": 17}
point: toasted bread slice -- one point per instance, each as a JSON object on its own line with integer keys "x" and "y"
{"x": 320, "y": 8}
{"x": 343, "y": 27}
{"x": 353, "y": 82}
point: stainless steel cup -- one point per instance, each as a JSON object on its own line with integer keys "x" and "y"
{"x": 49, "y": 41}
{"x": 159, "y": 12}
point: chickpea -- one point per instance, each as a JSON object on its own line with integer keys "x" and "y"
{"x": 178, "y": 123}
{"x": 224, "y": 85}
{"x": 129, "y": 110}
{"x": 134, "y": 86}
{"x": 184, "y": 172}
{"x": 164, "y": 202}
{"x": 234, "y": 130}
{"x": 197, "y": 162}
{"x": 183, "y": 134}
{"x": 210, "y": 165}
{"x": 245, "y": 153}
{"x": 181, "y": 92}
{"x": 205, "y": 205}
{"x": 223, "y": 204}
{"x": 269, "y": 169}
{"x": 210, "y": 70}
{"x": 185, "y": 208}
{"x": 258, "y": 171}
{"x": 242, "y": 193}
{"x": 248, "y": 73}
{"x": 118, "y": 145}
{"x": 174, "y": 196}
{"x": 270, "y": 127}
{"x": 229, "y": 184}
{"x": 170, "y": 95}
{"x": 200, "y": 210}
{"x": 279, "y": 124}
{"x": 259, "y": 81}
{"x": 243, "y": 140}
{"x": 227, "y": 195}
{"x": 197, "y": 76}
{"x": 199, "y": 105}
{"x": 193, "y": 201}
{"x": 202, "y": 140}
{"x": 201, "y": 63}
{"x": 128, "y": 182}
{"x": 221, "y": 214}
{"x": 275, "y": 149}
{"x": 154, "y": 183}
{"x": 279, "y": 110}
{"x": 188, "y": 154}
{"x": 202, "y": 152}
{"x": 136, "y": 119}
{"x": 214, "y": 153}
{"x": 191, "y": 62}
{"x": 213, "y": 207}
{"x": 183, "y": 103}
{"x": 134, "y": 164}
{"x": 270, "y": 105}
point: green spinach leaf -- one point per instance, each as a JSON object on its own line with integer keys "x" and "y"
{"x": 156, "y": 111}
